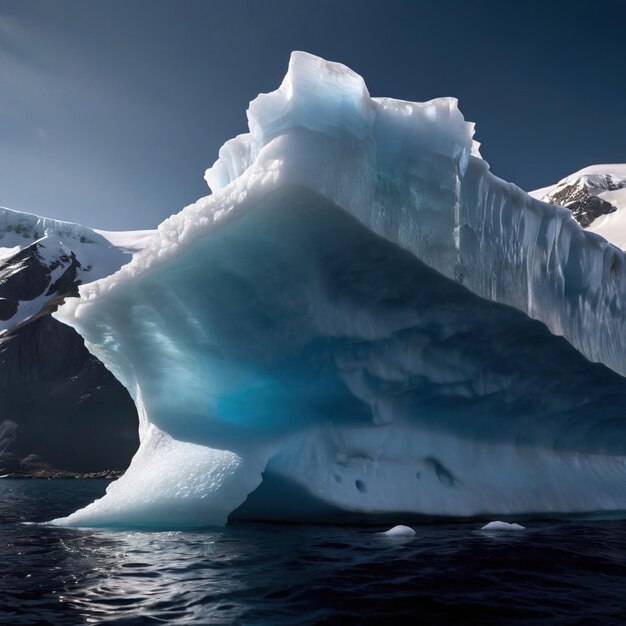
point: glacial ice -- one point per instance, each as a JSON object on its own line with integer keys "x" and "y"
{"x": 498, "y": 526}
{"x": 362, "y": 321}
{"x": 399, "y": 531}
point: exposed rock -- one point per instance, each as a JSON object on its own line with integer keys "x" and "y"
{"x": 8, "y": 308}
{"x": 579, "y": 194}
{"x": 24, "y": 276}
{"x": 60, "y": 405}
{"x": 62, "y": 412}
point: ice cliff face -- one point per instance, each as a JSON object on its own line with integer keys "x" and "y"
{"x": 60, "y": 409}
{"x": 362, "y": 320}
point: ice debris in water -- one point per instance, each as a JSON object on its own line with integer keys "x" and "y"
{"x": 498, "y": 525}
{"x": 399, "y": 531}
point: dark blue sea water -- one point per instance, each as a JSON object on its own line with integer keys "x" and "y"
{"x": 553, "y": 573}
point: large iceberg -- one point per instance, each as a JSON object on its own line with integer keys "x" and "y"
{"x": 361, "y": 320}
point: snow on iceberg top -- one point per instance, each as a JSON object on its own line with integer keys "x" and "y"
{"x": 411, "y": 173}
{"x": 331, "y": 99}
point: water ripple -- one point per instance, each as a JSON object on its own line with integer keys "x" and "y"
{"x": 554, "y": 573}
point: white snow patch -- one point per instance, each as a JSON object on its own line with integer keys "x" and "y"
{"x": 7, "y": 253}
{"x": 540, "y": 193}
{"x": 131, "y": 241}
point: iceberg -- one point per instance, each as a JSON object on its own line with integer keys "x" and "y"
{"x": 361, "y": 321}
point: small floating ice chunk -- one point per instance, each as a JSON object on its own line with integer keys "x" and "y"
{"x": 498, "y": 525}
{"x": 399, "y": 531}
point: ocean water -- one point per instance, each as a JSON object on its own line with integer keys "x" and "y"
{"x": 555, "y": 572}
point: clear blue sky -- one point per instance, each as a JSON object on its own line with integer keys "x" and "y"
{"x": 110, "y": 111}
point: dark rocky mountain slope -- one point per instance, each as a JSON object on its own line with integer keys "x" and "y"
{"x": 587, "y": 193}
{"x": 60, "y": 409}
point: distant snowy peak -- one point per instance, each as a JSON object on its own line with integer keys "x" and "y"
{"x": 43, "y": 261}
{"x": 33, "y": 277}
{"x": 591, "y": 193}
{"x": 582, "y": 196}
{"x": 30, "y": 226}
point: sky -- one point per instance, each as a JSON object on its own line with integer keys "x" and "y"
{"x": 110, "y": 111}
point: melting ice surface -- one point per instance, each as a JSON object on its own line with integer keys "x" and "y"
{"x": 362, "y": 321}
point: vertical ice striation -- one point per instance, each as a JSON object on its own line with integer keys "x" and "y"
{"x": 305, "y": 342}
{"x": 535, "y": 257}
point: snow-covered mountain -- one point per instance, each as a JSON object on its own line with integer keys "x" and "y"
{"x": 362, "y": 320}
{"x": 596, "y": 196}
{"x": 60, "y": 408}
{"x": 44, "y": 260}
